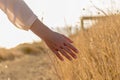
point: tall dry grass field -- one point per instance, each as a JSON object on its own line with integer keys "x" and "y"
{"x": 99, "y": 57}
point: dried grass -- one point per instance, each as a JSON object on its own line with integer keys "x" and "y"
{"x": 99, "y": 57}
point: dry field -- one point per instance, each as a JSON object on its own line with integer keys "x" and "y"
{"x": 99, "y": 57}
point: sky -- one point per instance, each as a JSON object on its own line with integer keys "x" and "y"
{"x": 55, "y": 13}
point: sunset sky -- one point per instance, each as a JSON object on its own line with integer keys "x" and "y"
{"x": 55, "y": 13}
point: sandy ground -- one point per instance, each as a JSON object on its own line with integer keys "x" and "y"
{"x": 29, "y": 67}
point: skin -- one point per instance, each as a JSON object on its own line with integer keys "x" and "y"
{"x": 59, "y": 44}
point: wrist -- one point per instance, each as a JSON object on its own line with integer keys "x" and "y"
{"x": 40, "y": 29}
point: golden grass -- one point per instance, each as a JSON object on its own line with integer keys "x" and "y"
{"x": 21, "y": 50}
{"x": 99, "y": 57}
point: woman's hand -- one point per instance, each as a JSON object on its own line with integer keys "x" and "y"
{"x": 58, "y": 43}
{"x": 61, "y": 45}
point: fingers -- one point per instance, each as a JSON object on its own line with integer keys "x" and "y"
{"x": 72, "y": 47}
{"x": 63, "y": 47}
{"x": 65, "y": 54}
{"x": 57, "y": 54}
{"x": 70, "y": 52}
{"x": 65, "y": 51}
{"x": 68, "y": 39}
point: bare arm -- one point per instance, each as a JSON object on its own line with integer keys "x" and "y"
{"x": 58, "y": 43}
{"x": 23, "y": 17}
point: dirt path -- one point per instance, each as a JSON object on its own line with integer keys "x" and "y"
{"x": 29, "y": 67}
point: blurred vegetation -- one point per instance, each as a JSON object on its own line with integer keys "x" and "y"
{"x": 99, "y": 57}
{"x": 34, "y": 48}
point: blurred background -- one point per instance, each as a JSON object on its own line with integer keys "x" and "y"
{"x": 93, "y": 25}
{"x": 54, "y": 13}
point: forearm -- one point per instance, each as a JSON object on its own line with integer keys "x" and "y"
{"x": 40, "y": 29}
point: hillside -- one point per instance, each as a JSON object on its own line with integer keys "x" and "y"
{"x": 99, "y": 57}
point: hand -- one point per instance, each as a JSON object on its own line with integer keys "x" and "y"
{"x": 60, "y": 44}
